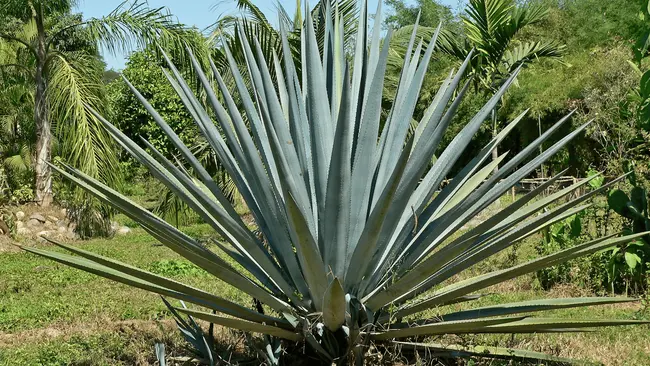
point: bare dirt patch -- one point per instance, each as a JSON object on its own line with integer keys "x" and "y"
{"x": 159, "y": 329}
{"x": 66, "y": 331}
{"x": 7, "y": 245}
{"x": 585, "y": 347}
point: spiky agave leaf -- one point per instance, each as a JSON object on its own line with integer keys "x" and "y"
{"x": 346, "y": 202}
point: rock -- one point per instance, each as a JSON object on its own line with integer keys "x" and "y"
{"x": 4, "y": 228}
{"x": 61, "y": 223}
{"x": 64, "y": 212}
{"x": 33, "y": 223}
{"x": 123, "y": 230}
{"x": 49, "y": 224}
{"x": 52, "y": 218}
{"x": 19, "y": 224}
{"x": 37, "y": 216}
{"x": 71, "y": 236}
{"x": 61, "y": 229}
{"x": 44, "y": 234}
{"x": 20, "y": 215}
{"x": 23, "y": 231}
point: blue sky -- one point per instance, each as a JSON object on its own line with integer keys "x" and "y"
{"x": 199, "y": 13}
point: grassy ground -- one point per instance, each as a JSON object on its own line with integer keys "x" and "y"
{"x": 51, "y": 314}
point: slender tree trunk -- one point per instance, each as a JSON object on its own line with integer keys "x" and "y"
{"x": 495, "y": 152}
{"x": 42, "y": 121}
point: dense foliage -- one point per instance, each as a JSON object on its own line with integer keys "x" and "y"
{"x": 53, "y": 53}
{"x": 143, "y": 70}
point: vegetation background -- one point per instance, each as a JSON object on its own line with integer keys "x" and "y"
{"x": 597, "y": 67}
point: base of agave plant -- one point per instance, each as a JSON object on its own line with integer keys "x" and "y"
{"x": 344, "y": 345}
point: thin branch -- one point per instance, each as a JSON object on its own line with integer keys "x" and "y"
{"x": 25, "y": 69}
{"x": 53, "y": 37}
{"x": 17, "y": 66}
{"x": 15, "y": 39}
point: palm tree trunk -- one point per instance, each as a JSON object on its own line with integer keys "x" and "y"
{"x": 42, "y": 121}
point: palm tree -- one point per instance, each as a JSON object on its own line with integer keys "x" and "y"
{"x": 490, "y": 30}
{"x": 66, "y": 78}
{"x": 16, "y": 121}
{"x": 16, "y": 127}
{"x": 227, "y": 33}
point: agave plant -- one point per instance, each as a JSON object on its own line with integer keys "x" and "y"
{"x": 356, "y": 239}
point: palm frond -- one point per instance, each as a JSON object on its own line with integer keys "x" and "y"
{"x": 253, "y": 12}
{"x": 135, "y": 26}
{"x": 228, "y": 29}
{"x": 74, "y": 86}
{"x": 491, "y": 27}
{"x": 19, "y": 160}
{"x": 452, "y": 45}
{"x": 530, "y": 51}
{"x": 525, "y": 15}
{"x": 484, "y": 24}
{"x": 346, "y": 10}
{"x": 285, "y": 19}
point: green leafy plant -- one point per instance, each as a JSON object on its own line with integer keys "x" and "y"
{"x": 4, "y": 186}
{"x": 7, "y": 222}
{"x": 91, "y": 219}
{"x": 22, "y": 194}
{"x": 354, "y": 239}
{"x": 491, "y": 27}
{"x": 558, "y": 236}
{"x": 170, "y": 267}
{"x": 597, "y": 181}
{"x": 637, "y": 107}
{"x": 643, "y": 43}
{"x": 629, "y": 262}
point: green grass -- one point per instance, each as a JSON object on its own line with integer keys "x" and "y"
{"x": 37, "y": 292}
{"x": 41, "y": 296}
{"x": 104, "y": 348}
{"x": 51, "y": 314}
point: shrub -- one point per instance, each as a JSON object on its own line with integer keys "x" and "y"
{"x": 91, "y": 219}
{"x": 558, "y": 236}
{"x": 629, "y": 264}
{"x": 22, "y": 194}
